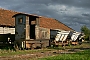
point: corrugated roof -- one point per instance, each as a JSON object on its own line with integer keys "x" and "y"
{"x": 6, "y": 19}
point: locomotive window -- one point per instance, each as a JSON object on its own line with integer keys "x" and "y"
{"x": 20, "y": 20}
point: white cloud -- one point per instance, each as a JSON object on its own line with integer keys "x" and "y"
{"x": 66, "y": 10}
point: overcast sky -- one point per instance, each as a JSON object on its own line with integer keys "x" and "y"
{"x": 73, "y": 13}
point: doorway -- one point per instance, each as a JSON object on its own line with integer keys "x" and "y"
{"x": 32, "y": 31}
{"x": 32, "y": 24}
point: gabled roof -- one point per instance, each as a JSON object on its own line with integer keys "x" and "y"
{"x": 7, "y": 20}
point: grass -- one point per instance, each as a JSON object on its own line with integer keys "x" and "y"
{"x": 20, "y": 52}
{"x": 84, "y": 55}
{"x": 79, "y": 55}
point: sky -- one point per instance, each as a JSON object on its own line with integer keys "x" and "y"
{"x": 73, "y": 13}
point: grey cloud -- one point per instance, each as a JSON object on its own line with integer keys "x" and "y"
{"x": 80, "y": 20}
{"x": 77, "y": 3}
{"x": 74, "y": 21}
{"x": 86, "y": 15}
{"x": 78, "y": 17}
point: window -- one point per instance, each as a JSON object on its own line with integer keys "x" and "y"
{"x": 44, "y": 34}
{"x": 20, "y": 20}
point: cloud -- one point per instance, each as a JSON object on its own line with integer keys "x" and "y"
{"x": 75, "y": 3}
{"x": 74, "y": 13}
{"x": 86, "y": 14}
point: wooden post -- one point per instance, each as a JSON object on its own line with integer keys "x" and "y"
{"x": 27, "y": 28}
{"x": 37, "y": 28}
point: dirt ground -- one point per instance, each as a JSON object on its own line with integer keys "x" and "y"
{"x": 36, "y": 55}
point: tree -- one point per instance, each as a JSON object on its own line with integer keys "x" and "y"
{"x": 86, "y": 31}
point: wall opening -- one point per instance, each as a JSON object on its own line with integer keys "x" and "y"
{"x": 32, "y": 31}
{"x": 32, "y": 24}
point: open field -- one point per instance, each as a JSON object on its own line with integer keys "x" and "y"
{"x": 61, "y": 53}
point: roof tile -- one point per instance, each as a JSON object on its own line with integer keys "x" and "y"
{"x": 6, "y": 17}
{"x": 53, "y": 24}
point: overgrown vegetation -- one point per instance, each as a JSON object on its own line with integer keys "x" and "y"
{"x": 75, "y": 56}
{"x": 86, "y": 31}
